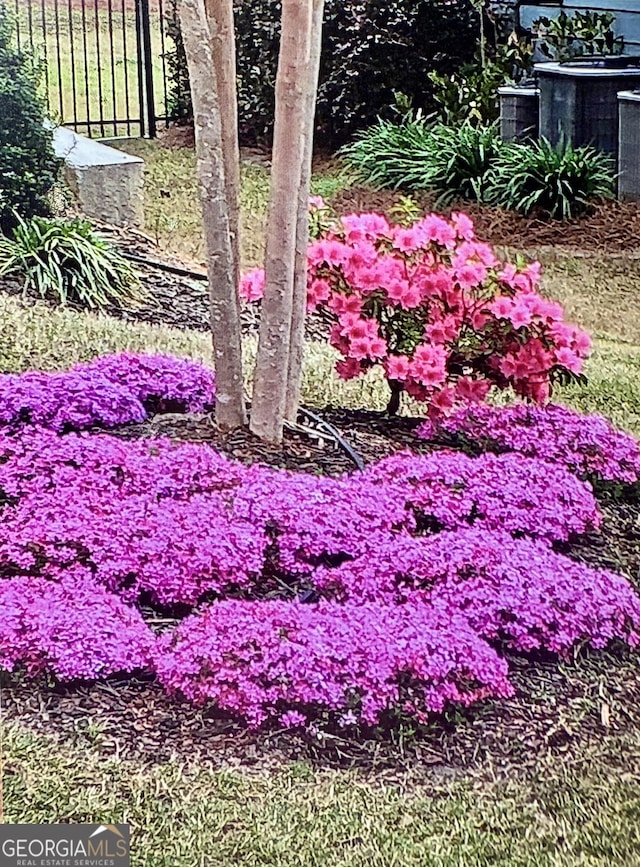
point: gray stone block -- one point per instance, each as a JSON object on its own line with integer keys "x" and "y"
{"x": 107, "y": 183}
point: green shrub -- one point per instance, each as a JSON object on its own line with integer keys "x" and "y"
{"x": 415, "y": 155}
{"x": 28, "y": 167}
{"x": 66, "y": 261}
{"x": 567, "y": 36}
{"x": 371, "y": 50}
{"x": 179, "y": 108}
{"x": 390, "y": 155}
{"x": 469, "y": 95}
{"x": 559, "y": 181}
{"x": 460, "y": 160}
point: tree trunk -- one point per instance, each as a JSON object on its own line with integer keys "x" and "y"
{"x": 272, "y": 365}
{"x": 296, "y": 349}
{"x": 223, "y": 286}
{"x": 223, "y": 43}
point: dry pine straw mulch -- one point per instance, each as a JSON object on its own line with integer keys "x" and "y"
{"x": 563, "y": 711}
{"x": 609, "y": 228}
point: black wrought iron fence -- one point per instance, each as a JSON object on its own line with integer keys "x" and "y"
{"x": 104, "y": 62}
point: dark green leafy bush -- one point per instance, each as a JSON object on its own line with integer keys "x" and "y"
{"x": 178, "y": 108}
{"x": 66, "y": 261}
{"x": 567, "y": 36}
{"x": 461, "y": 158}
{"x": 560, "y": 181}
{"x": 28, "y": 167}
{"x": 471, "y": 92}
{"x": 372, "y": 50}
{"x": 415, "y": 155}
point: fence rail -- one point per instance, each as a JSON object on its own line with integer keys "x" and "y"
{"x": 104, "y": 62}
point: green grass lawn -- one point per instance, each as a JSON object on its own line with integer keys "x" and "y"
{"x": 568, "y": 805}
{"x": 187, "y": 814}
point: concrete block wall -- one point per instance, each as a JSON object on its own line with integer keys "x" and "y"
{"x": 107, "y": 183}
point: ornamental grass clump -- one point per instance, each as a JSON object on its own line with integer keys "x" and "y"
{"x": 67, "y": 262}
{"x": 391, "y": 155}
{"x": 415, "y": 154}
{"x": 438, "y": 311}
{"x": 560, "y": 181}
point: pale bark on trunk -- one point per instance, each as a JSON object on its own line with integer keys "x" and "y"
{"x": 299, "y": 311}
{"x": 223, "y": 43}
{"x": 223, "y": 287}
{"x": 272, "y": 365}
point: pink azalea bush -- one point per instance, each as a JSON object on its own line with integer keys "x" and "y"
{"x": 435, "y": 307}
{"x": 588, "y": 445}
{"x": 293, "y": 661}
{"x": 107, "y": 392}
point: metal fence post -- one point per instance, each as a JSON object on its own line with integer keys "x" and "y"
{"x": 149, "y": 96}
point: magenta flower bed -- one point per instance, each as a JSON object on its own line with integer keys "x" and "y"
{"x": 514, "y": 590}
{"x": 71, "y": 628}
{"x": 110, "y": 391}
{"x": 588, "y": 446}
{"x": 521, "y": 495}
{"x": 292, "y": 662}
{"x": 421, "y": 572}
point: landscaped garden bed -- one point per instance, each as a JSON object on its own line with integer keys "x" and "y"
{"x": 72, "y": 469}
{"x": 306, "y": 573}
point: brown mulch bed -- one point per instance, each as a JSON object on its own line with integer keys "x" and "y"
{"x": 307, "y": 447}
{"x": 611, "y": 227}
{"x": 565, "y": 711}
{"x": 176, "y": 292}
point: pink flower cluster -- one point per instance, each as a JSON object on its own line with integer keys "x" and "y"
{"x": 587, "y": 445}
{"x": 148, "y": 518}
{"x": 512, "y": 590}
{"x": 436, "y": 308}
{"x": 417, "y": 573}
{"x": 292, "y": 662}
{"x": 110, "y": 391}
{"x": 71, "y": 627}
{"x": 522, "y": 495}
